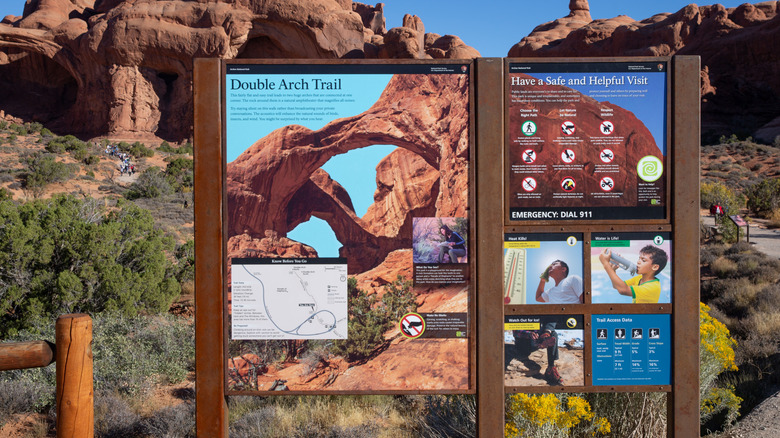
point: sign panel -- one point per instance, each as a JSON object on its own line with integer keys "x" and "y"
{"x": 289, "y": 298}
{"x": 631, "y": 267}
{"x": 348, "y": 226}
{"x": 544, "y": 350}
{"x": 631, "y": 349}
{"x": 587, "y": 140}
{"x": 543, "y": 268}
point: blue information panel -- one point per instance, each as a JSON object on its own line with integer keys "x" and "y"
{"x": 631, "y": 349}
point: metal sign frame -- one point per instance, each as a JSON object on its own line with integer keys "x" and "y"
{"x": 489, "y": 225}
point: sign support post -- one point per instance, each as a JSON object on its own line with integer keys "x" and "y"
{"x": 211, "y": 404}
{"x": 684, "y": 400}
{"x": 490, "y": 354}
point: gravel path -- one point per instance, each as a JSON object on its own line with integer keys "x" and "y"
{"x": 761, "y": 422}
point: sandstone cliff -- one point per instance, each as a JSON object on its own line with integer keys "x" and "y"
{"x": 124, "y": 67}
{"x": 740, "y": 66}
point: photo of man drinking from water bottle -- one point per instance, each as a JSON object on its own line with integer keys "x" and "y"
{"x": 631, "y": 267}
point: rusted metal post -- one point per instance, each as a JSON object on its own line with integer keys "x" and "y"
{"x": 684, "y": 399}
{"x": 211, "y": 404}
{"x": 75, "y": 398}
{"x": 490, "y": 194}
{"x": 21, "y": 355}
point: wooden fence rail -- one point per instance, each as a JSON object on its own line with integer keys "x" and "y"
{"x": 73, "y": 354}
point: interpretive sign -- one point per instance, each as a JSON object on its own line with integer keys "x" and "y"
{"x": 543, "y": 268}
{"x": 631, "y": 349}
{"x": 587, "y": 140}
{"x": 348, "y": 228}
{"x": 631, "y": 267}
{"x": 289, "y": 298}
{"x": 544, "y": 350}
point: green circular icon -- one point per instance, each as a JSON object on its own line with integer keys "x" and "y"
{"x": 649, "y": 168}
{"x": 529, "y": 128}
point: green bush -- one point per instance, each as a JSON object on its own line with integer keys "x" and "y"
{"x": 91, "y": 160}
{"x": 764, "y": 197}
{"x": 140, "y": 150}
{"x": 68, "y": 255}
{"x": 43, "y": 169}
{"x": 370, "y": 318}
{"x": 180, "y": 174}
{"x": 151, "y": 183}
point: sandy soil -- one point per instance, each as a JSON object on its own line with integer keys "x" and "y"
{"x": 530, "y": 372}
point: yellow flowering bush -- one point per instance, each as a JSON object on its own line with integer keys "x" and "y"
{"x": 716, "y": 349}
{"x": 551, "y": 415}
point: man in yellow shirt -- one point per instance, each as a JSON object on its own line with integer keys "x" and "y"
{"x": 644, "y": 288}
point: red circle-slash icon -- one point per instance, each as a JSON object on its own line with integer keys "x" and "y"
{"x": 568, "y": 128}
{"x": 607, "y": 184}
{"x": 568, "y": 184}
{"x": 529, "y": 184}
{"x": 607, "y": 155}
{"x": 606, "y": 127}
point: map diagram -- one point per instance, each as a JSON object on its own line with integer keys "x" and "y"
{"x": 289, "y": 298}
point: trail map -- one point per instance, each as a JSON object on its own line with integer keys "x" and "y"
{"x": 289, "y": 298}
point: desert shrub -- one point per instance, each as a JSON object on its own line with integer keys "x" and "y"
{"x": 254, "y": 423}
{"x": 724, "y": 267}
{"x": 735, "y": 297}
{"x": 91, "y": 160}
{"x": 114, "y": 418}
{"x": 716, "y": 351}
{"x": 150, "y": 184}
{"x": 46, "y": 133}
{"x": 552, "y": 415}
{"x": 186, "y": 148}
{"x": 4, "y": 125}
{"x": 43, "y": 169}
{"x": 166, "y": 147}
{"x": 764, "y": 197}
{"x": 140, "y": 150}
{"x": 718, "y": 193}
{"x": 180, "y": 173}
{"x": 19, "y": 129}
{"x": 67, "y": 255}
{"x": 370, "y": 317}
{"x": 444, "y": 415}
{"x": 171, "y": 422}
{"x": 134, "y": 354}
{"x": 23, "y": 394}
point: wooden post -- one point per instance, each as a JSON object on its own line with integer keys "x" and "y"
{"x": 75, "y": 399}
{"x": 21, "y": 355}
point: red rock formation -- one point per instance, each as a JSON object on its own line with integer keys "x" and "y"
{"x": 277, "y": 183}
{"x": 124, "y": 67}
{"x": 741, "y": 67}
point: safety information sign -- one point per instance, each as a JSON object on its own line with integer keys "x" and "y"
{"x": 587, "y": 140}
{"x": 631, "y": 349}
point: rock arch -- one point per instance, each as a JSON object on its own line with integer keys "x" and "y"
{"x": 277, "y": 183}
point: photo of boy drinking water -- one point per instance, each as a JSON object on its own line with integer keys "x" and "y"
{"x": 644, "y": 287}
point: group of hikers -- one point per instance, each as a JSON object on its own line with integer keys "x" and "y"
{"x": 125, "y": 166}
